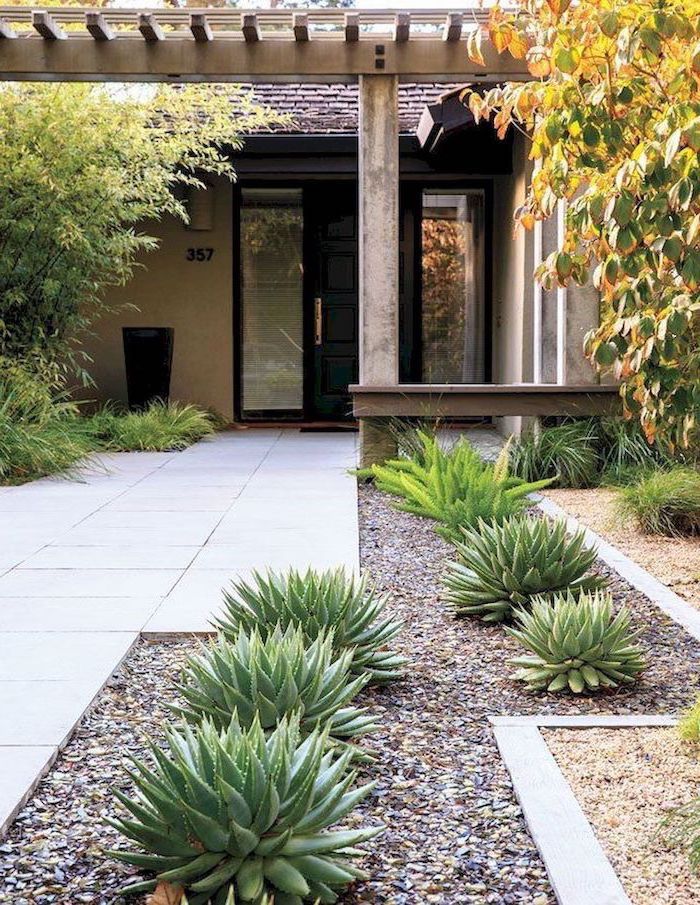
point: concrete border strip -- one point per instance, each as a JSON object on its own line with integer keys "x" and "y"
{"x": 578, "y": 868}
{"x": 659, "y": 593}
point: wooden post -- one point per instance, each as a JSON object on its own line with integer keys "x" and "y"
{"x": 378, "y": 182}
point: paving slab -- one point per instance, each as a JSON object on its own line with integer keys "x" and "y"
{"x": 21, "y": 768}
{"x": 75, "y": 614}
{"x": 29, "y": 582}
{"x": 62, "y": 656}
{"x": 152, "y": 556}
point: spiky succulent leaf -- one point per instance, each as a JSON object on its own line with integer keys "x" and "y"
{"x": 317, "y": 601}
{"x": 454, "y": 485}
{"x": 500, "y": 567}
{"x": 577, "y": 644}
{"x": 274, "y": 676}
{"x": 254, "y": 808}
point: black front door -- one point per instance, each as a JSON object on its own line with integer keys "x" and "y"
{"x": 332, "y": 299}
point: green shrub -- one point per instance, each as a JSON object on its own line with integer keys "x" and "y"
{"x": 623, "y": 450}
{"x": 39, "y": 435}
{"x": 565, "y": 453}
{"x": 503, "y": 567}
{"x": 585, "y": 453}
{"x": 274, "y": 677}
{"x": 682, "y": 828}
{"x": 689, "y": 723}
{"x": 455, "y": 487}
{"x": 666, "y": 502}
{"x": 318, "y": 601}
{"x": 576, "y": 644}
{"x": 162, "y": 426}
{"x": 234, "y": 816}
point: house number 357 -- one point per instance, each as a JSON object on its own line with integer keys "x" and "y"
{"x": 199, "y": 254}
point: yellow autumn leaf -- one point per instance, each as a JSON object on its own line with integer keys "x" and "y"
{"x": 474, "y": 47}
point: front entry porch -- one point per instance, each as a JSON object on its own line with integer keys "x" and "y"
{"x": 359, "y": 334}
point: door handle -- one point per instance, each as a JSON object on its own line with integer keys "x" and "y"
{"x": 318, "y": 321}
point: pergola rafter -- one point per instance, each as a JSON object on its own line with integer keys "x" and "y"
{"x": 82, "y": 43}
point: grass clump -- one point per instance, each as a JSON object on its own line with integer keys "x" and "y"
{"x": 565, "y": 454}
{"x": 586, "y": 453}
{"x": 160, "y": 427}
{"x": 39, "y": 434}
{"x": 666, "y": 502}
{"x": 455, "y": 487}
{"x": 689, "y": 724}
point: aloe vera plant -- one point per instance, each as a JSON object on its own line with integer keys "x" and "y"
{"x": 234, "y": 816}
{"x": 500, "y": 567}
{"x": 455, "y": 487}
{"x": 273, "y": 676}
{"x": 577, "y": 644}
{"x": 318, "y": 601}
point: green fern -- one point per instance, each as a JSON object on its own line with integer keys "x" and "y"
{"x": 454, "y": 487}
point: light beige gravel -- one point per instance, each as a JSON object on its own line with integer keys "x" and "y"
{"x": 673, "y": 560}
{"x": 627, "y": 781}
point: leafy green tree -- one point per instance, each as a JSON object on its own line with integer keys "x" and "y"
{"x": 83, "y": 169}
{"x": 613, "y": 114}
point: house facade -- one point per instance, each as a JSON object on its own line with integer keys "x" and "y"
{"x": 261, "y": 289}
{"x": 364, "y": 263}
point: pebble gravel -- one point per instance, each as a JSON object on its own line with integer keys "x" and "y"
{"x": 454, "y": 832}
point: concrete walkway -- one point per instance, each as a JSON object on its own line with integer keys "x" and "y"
{"x": 145, "y": 546}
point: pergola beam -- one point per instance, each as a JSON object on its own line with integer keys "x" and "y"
{"x": 46, "y": 27}
{"x": 250, "y": 28}
{"x": 6, "y": 31}
{"x": 98, "y": 27}
{"x": 150, "y": 29}
{"x": 453, "y": 27}
{"x": 233, "y": 45}
{"x": 200, "y": 28}
{"x": 300, "y": 26}
{"x": 402, "y": 27}
{"x": 352, "y": 27}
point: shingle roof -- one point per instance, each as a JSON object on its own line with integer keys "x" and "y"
{"x": 324, "y": 109}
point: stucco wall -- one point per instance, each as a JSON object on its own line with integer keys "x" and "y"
{"x": 196, "y": 298}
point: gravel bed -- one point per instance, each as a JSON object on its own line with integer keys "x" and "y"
{"x": 455, "y": 834}
{"x": 627, "y": 781}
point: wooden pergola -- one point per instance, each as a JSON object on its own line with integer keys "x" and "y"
{"x": 224, "y": 45}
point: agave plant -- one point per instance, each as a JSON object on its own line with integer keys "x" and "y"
{"x": 500, "y": 567}
{"x": 577, "y": 644}
{"x": 272, "y": 677}
{"x": 316, "y": 602}
{"x": 454, "y": 486}
{"x": 233, "y": 816}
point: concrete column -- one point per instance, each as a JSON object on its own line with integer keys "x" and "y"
{"x": 378, "y": 154}
{"x": 582, "y": 313}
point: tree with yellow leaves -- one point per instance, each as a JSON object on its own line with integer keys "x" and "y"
{"x": 613, "y": 116}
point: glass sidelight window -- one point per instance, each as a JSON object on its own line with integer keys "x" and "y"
{"x": 272, "y": 280}
{"x": 453, "y": 286}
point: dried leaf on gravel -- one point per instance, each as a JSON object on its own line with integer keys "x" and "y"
{"x": 166, "y": 894}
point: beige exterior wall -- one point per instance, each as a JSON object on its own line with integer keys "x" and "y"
{"x": 195, "y": 298}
